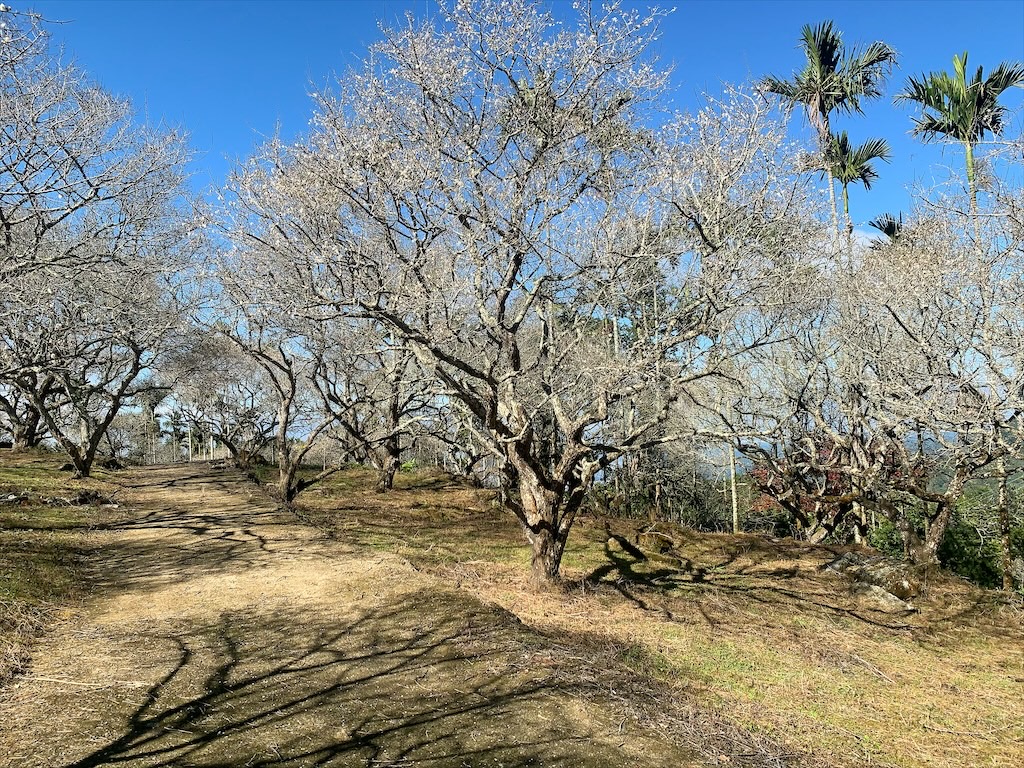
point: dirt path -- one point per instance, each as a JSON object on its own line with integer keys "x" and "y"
{"x": 222, "y": 632}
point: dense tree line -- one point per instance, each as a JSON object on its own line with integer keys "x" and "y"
{"x": 494, "y": 249}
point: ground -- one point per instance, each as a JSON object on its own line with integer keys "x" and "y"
{"x": 197, "y": 624}
{"x": 220, "y": 631}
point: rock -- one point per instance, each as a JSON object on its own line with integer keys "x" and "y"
{"x": 898, "y": 579}
{"x": 846, "y": 562}
{"x": 881, "y": 597}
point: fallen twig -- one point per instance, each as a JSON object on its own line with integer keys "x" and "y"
{"x": 61, "y": 681}
{"x": 871, "y": 667}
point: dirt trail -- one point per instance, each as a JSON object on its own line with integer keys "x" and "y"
{"x": 223, "y": 632}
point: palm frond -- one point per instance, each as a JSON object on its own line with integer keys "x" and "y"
{"x": 1007, "y": 75}
{"x": 850, "y": 164}
{"x": 888, "y": 225}
{"x": 789, "y": 91}
{"x": 833, "y": 79}
{"x": 957, "y": 108}
{"x": 823, "y": 46}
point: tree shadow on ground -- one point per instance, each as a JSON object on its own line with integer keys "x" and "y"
{"x": 204, "y": 527}
{"x": 651, "y": 581}
{"x": 416, "y": 681}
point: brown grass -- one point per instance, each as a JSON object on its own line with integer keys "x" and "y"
{"x": 743, "y": 634}
{"x": 220, "y": 631}
{"x": 42, "y": 552}
{"x": 209, "y": 607}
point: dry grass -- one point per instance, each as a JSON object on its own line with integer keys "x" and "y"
{"x": 42, "y": 551}
{"x": 220, "y": 632}
{"x": 733, "y": 640}
{"x": 210, "y": 607}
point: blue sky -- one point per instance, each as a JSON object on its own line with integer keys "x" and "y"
{"x": 230, "y": 71}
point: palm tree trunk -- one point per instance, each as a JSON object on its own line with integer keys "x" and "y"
{"x": 971, "y": 188}
{"x": 972, "y": 192}
{"x": 832, "y": 200}
{"x": 846, "y": 217}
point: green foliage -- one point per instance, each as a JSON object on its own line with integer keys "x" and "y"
{"x": 885, "y": 537}
{"x": 833, "y": 79}
{"x": 957, "y": 108}
{"x": 888, "y": 225}
{"x": 851, "y": 163}
{"x": 972, "y": 546}
{"x": 965, "y": 552}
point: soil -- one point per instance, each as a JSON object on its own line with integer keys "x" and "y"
{"x": 221, "y": 631}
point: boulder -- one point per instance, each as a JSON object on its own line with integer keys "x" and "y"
{"x": 881, "y": 597}
{"x": 898, "y": 579}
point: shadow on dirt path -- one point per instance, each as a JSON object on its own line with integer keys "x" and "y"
{"x": 222, "y": 632}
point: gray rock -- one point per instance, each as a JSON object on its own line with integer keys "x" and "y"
{"x": 899, "y": 580}
{"x": 882, "y": 598}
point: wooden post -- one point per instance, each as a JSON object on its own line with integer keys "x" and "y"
{"x": 1004, "y": 524}
{"x": 732, "y": 481}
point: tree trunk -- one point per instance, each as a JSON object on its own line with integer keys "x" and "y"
{"x": 389, "y": 461}
{"x": 81, "y": 456}
{"x": 972, "y": 189}
{"x": 287, "y": 488}
{"x": 26, "y": 435}
{"x": 817, "y": 534}
{"x": 926, "y": 551}
{"x": 832, "y": 200}
{"x": 540, "y": 510}
{"x": 732, "y": 487}
{"x": 849, "y": 221}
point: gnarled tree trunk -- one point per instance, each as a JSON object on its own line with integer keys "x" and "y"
{"x": 388, "y": 458}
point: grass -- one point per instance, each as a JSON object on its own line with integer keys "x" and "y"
{"x": 745, "y": 630}
{"x": 42, "y": 548}
{"x": 741, "y": 648}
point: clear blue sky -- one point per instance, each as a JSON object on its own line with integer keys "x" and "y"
{"x": 230, "y": 71}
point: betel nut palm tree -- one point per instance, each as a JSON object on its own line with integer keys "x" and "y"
{"x": 833, "y": 79}
{"x": 851, "y": 164}
{"x": 965, "y": 111}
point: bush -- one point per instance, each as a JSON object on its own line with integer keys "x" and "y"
{"x": 965, "y": 552}
{"x": 885, "y": 537}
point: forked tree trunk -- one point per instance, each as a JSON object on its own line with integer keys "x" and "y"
{"x": 925, "y": 551}
{"x": 287, "y": 488}
{"x": 82, "y": 456}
